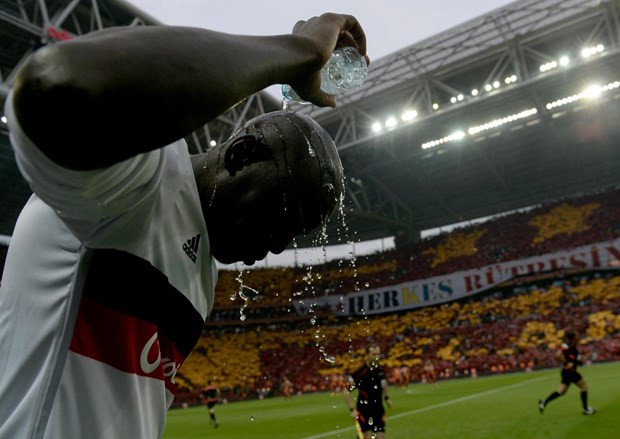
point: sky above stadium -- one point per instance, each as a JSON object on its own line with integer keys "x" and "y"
{"x": 390, "y": 26}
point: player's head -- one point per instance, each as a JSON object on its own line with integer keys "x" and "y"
{"x": 571, "y": 337}
{"x": 277, "y": 177}
{"x": 373, "y": 354}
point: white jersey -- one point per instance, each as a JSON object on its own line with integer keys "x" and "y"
{"x": 107, "y": 284}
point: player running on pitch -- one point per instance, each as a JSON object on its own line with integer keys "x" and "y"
{"x": 571, "y": 359}
{"x": 211, "y": 396}
{"x": 372, "y": 391}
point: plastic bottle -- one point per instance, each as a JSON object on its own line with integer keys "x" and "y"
{"x": 345, "y": 70}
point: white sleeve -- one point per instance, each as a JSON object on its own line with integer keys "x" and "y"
{"x": 85, "y": 196}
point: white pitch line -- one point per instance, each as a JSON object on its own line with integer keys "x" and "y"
{"x": 432, "y": 407}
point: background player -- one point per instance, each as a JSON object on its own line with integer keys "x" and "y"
{"x": 571, "y": 359}
{"x": 429, "y": 372}
{"x": 371, "y": 385}
{"x": 287, "y": 388}
{"x": 211, "y": 396}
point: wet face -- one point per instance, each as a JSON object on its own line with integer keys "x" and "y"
{"x": 277, "y": 178}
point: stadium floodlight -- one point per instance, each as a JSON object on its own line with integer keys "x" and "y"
{"x": 474, "y": 92}
{"x": 587, "y": 52}
{"x": 548, "y": 66}
{"x": 564, "y": 61}
{"x": 591, "y": 92}
{"x": 390, "y": 122}
{"x": 212, "y": 143}
{"x": 453, "y": 99}
{"x": 502, "y": 121}
{"x": 496, "y": 84}
{"x": 376, "y": 127}
{"x": 510, "y": 79}
{"x": 488, "y": 87}
{"x": 3, "y": 119}
{"x": 435, "y": 106}
{"x": 460, "y": 97}
{"x": 409, "y": 115}
{"x": 457, "y": 135}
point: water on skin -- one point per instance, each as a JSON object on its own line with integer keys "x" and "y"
{"x": 322, "y": 240}
{"x": 217, "y": 170}
{"x": 283, "y": 183}
{"x": 247, "y": 293}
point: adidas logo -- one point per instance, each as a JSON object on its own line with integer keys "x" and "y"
{"x": 191, "y": 247}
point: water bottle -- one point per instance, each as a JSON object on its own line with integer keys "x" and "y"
{"x": 346, "y": 69}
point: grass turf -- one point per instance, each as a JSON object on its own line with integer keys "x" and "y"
{"x": 500, "y": 406}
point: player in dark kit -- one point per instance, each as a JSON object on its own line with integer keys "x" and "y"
{"x": 211, "y": 396}
{"x": 571, "y": 359}
{"x": 372, "y": 391}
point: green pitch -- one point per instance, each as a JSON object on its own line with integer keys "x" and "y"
{"x": 500, "y": 406}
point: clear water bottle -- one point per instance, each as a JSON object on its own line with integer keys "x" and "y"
{"x": 346, "y": 69}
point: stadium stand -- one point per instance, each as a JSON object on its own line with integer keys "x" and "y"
{"x": 510, "y": 329}
{"x": 556, "y": 226}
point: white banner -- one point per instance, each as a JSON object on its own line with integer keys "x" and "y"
{"x": 454, "y": 286}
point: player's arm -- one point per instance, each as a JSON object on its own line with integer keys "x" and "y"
{"x": 562, "y": 356}
{"x": 579, "y": 360}
{"x": 130, "y": 90}
{"x": 386, "y": 396}
{"x": 350, "y": 402}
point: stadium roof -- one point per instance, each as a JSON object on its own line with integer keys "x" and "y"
{"x": 541, "y": 123}
{"x": 472, "y": 122}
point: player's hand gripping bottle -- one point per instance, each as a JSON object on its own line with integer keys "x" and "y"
{"x": 345, "y": 70}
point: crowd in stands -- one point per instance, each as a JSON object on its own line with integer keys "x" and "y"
{"x": 258, "y": 333}
{"x": 561, "y": 225}
{"x": 510, "y": 329}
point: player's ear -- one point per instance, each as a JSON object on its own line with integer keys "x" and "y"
{"x": 244, "y": 151}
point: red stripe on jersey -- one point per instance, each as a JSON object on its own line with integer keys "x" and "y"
{"x": 124, "y": 342}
